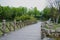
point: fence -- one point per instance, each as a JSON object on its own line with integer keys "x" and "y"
{"x": 12, "y": 26}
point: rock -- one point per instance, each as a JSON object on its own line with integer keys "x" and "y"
{"x": 52, "y": 31}
{"x": 46, "y": 38}
{"x": 43, "y": 24}
{"x": 58, "y": 29}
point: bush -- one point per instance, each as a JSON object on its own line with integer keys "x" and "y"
{"x": 25, "y": 17}
{"x": 17, "y": 18}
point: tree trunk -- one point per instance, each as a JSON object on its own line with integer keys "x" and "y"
{"x": 57, "y": 19}
{"x": 53, "y": 20}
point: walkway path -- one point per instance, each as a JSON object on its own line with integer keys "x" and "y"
{"x": 31, "y": 32}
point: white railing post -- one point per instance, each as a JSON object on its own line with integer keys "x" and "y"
{"x": 14, "y": 24}
{"x": 4, "y": 26}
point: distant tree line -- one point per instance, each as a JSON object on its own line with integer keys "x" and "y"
{"x": 22, "y": 13}
{"x": 18, "y": 13}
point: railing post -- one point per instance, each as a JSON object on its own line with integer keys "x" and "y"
{"x": 14, "y": 24}
{"x": 4, "y": 26}
{"x": 20, "y": 23}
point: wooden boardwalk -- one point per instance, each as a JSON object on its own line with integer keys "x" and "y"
{"x": 31, "y": 32}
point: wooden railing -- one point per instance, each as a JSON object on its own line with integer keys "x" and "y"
{"x": 12, "y": 26}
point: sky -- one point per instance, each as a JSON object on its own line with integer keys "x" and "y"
{"x": 40, "y": 4}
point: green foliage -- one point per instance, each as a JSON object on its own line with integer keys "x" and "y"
{"x": 17, "y": 18}
{"x": 46, "y": 12}
{"x": 22, "y": 13}
{"x": 25, "y": 17}
{"x": 50, "y": 13}
{"x": 19, "y": 13}
{"x": 34, "y": 12}
{"x": 32, "y": 19}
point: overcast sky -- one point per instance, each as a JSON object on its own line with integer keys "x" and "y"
{"x": 40, "y": 4}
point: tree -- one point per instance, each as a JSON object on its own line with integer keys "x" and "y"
{"x": 36, "y": 11}
{"x": 0, "y": 11}
{"x": 30, "y": 12}
{"x": 10, "y": 13}
{"x": 46, "y": 13}
{"x": 55, "y": 4}
{"x": 7, "y": 12}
